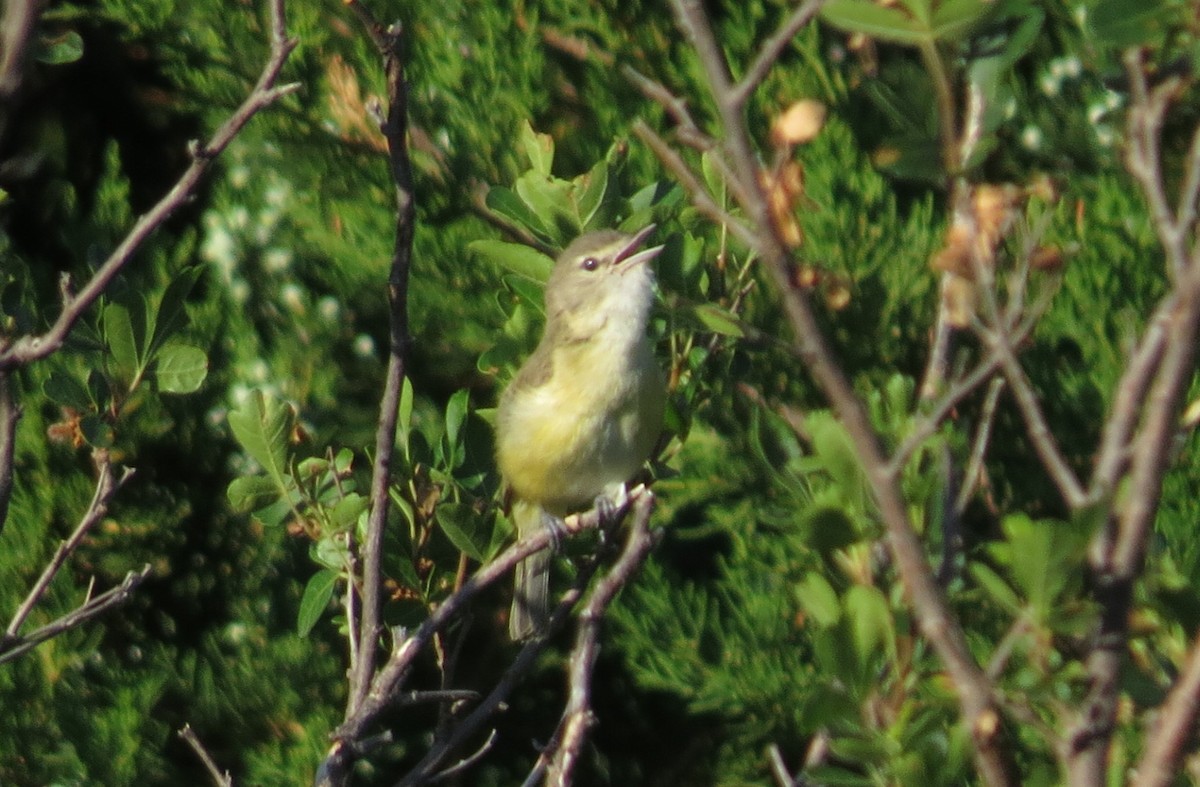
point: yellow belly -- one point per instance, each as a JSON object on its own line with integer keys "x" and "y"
{"x": 590, "y": 425}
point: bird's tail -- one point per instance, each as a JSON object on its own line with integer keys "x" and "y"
{"x": 530, "y": 613}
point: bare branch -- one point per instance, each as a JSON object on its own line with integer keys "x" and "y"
{"x": 20, "y": 19}
{"x": 10, "y": 416}
{"x": 1143, "y": 160}
{"x": 219, "y": 778}
{"x": 390, "y": 43}
{"x": 392, "y": 675}
{"x": 28, "y": 349}
{"x": 1036, "y": 426}
{"x": 13, "y": 647}
{"x": 772, "y": 48}
{"x": 937, "y": 623}
{"x": 106, "y": 487}
{"x": 987, "y": 415}
{"x": 1169, "y": 736}
{"x": 696, "y": 190}
{"x": 577, "y": 717}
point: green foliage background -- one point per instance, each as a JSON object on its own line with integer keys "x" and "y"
{"x": 750, "y": 627}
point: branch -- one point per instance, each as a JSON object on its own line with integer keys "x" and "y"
{"x": 1171, "y": 731}
{"x": 936, "y": 621}
{"x": 28, "y": 349}
{"x": 577, "y": 717}
{"x": 10, "y": 415}
{"x": 772, "y": 48}
{"x": 1166, "y": 370}
{"x": 219, "y": 778}
{"x": 391, "y": 677}
{"x": 522, "y": 664}
{"x": 390, "y": 43}
{"x": 106, "y": 487}
{"x": 13, "y": 647}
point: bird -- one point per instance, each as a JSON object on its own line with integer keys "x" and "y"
{"x": 584, "y": 411}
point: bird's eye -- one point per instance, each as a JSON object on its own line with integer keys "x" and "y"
{"x": 590, "y": 263}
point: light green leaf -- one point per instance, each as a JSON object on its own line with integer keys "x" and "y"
{"x": 874, "y": 20}
{"x": 456, "y": 415}
{"x": 718, "y": 320}
{"x": 181, "y": 368}
{"x": 251, "y": 493}
{"x": 870, "y": 619}
{"x": 346, "y": 511}
{"x": 57, "y": 50}
{"x": 517, "y": 257}
{"x": 504, "y": 202}
{"x": 590, "y": 190}
{"x": 539, "y": 148}
{"x": 262, "y": 426}
{"x": 314, "y": 602}
{"x": 819, "y": 600}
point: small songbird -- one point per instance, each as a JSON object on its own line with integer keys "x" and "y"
{"x": 585, "y": 410}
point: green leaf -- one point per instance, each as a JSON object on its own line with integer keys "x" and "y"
{"x": 995, "y": 586}
{"x": 262, "y": 426}
{"x": 954, "y": 19}
{"x": 874, "y": 20}
{"x": 314, "y": 602}
{"x": 1120, "y": 24}
{"x": 463, "y": 526}
{"x": 819, "y": 600}
{"x": 504, "y": 202}
{"x": 590, "y": 190}
{"x": 870, "y": 620}
{"x": 64, "y": 390}
{"x": 96, "y": 431}
{"x": 456, "y": 415}
{"x": 404, "y": 415}
{"x": 171, "y": 315}
{"x": 181, "y": 368}
{"x": 66, "y": 47}
{"x": 516, "y": 257}
{"x": 251, "y": 493}
{"x": 718, "y": 320}
{"x": 121, "y": 338}
{"x": 346, "y": 511}
{"x": 539, "y": 148}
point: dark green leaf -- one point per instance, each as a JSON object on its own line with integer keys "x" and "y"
{"x": 464, "y": 528}
{"x": 64, "y": 390}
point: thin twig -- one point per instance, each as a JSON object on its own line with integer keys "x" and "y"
{"x": 106, "y": 486}
{"x": 95, "y": 606}
{"x": 10, "y": 416}
{"x": 390, "y": 43}
{"x": 772, "y": 48}
{"x": 219, "y": 778}
{"x": 27, "y": 349}
{"x": 987, "y": 415}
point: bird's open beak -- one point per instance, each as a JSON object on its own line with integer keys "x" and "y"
{"x": 630, "y": 257}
